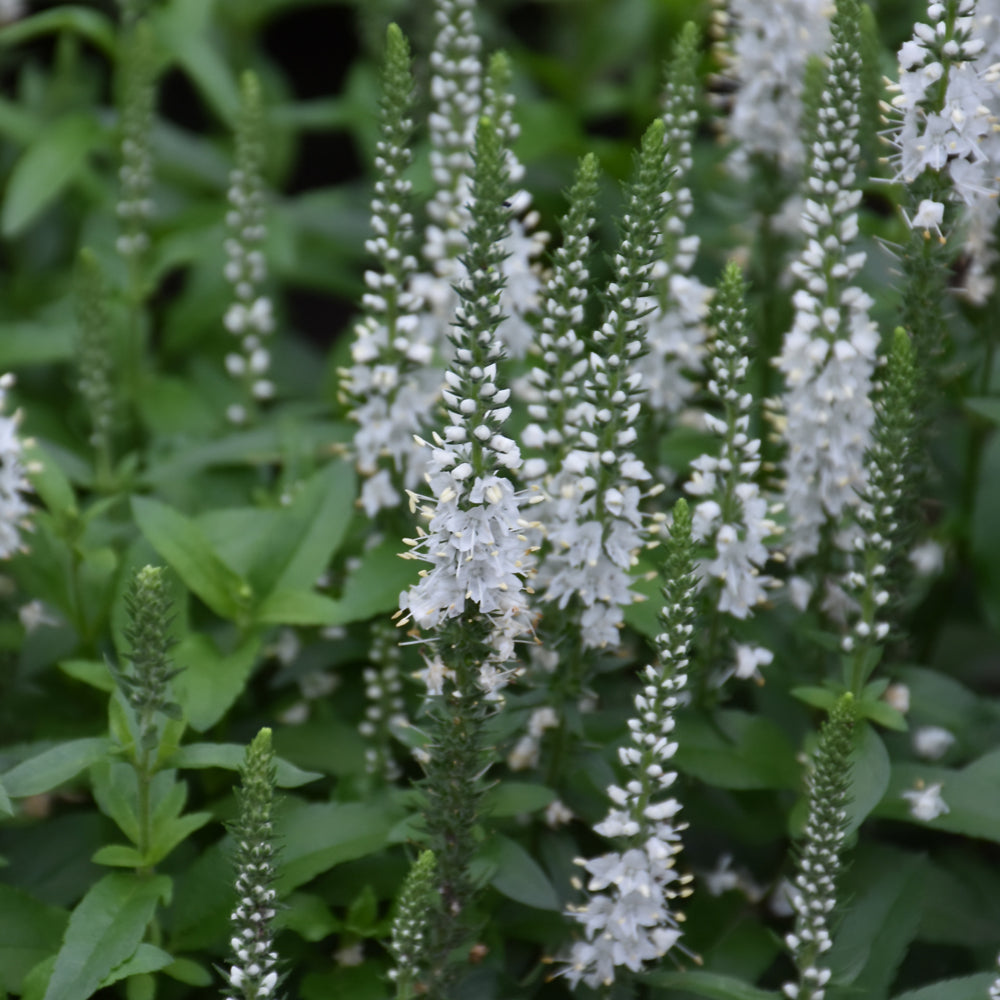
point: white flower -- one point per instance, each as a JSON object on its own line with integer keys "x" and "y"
{"x": 932, "y": 742}
{"x": 557, "y": 814}
{"x": 434, "y": 674}
{"x": 828, "y": 356}
{"x": 898, "y": 696}
{"x": 14, "y": 509}
{"x": 927, "y": 558}
{"x": 722, "y": 878}
{"x": 749, "y": 660}
{"x": 628, "y": 919}
{"x": 929, "y": 215}
{"x": 771, "y": 47}
{"x": 926, "y": 803}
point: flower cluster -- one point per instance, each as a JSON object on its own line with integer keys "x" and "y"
{"x": 253, "y": 962}
{"x": 94, "y": 357}
{"x": 523, "y": 244}
{"x": 675, "y": 325}
{"x": 386, "y": 708}
{"x": 14, "y": 509}
{"x": 457, "y": 102}
{"x": 881, "y": 517}
{"x": 249, "y": 318}
{"x": 389, "y": 383}
{"x": 409, "y": 943}
{"x": 944, "y": 99}
{"x": 829, "y": 355}
{"x": 563, "y": 363}
{"x": 149, "y": 604}
{"x": 593, "y": 546}
{"x": 769, "y": 52}
{"x": 814, "y": 894}
{"x": 135, "y": 206}
{"x": 629, "y": 918}
{"x": 474, "y": 539}
{"x": 945, "y": 110}
{"x": 731, "y": 515}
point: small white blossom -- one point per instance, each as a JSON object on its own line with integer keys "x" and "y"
{"x": 926, "y": 802}
{"x": 927, "y": 558}
{"x": 932, "y": 742}
{"x": 828, "y": 356}
{"x": 898, "y": 696}
{"x": 772, "y": 44}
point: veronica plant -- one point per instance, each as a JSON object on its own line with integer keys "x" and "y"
{"x": 253, "y": 971}
{"x": 828, "y": 356}
{"x": 731, "y": 516}
{"x": 94, "y": 361}
{"x": 136, "y": 102}
{"x": 820, "y": 854}
{"x": 389, "y": 383}
{"x": 551, "y": 434}
{"x": 250, "y": 317}
{"x": 675, "y": 334}
{"x": 473, "y": 597}
{"x": 884, "y": 518}
{"x": 14, "y": 507}
{"x": 457, "y": 103}
{"x": 594, "y": 542}
{"x": 410, "y": 944}
{"x": 629, "y": 918}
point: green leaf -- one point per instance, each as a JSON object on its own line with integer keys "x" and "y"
{"x": 230, "y": 756}
{"x": 309, "y": 916}
{"x": 183, "y": 545}
{"x": 870, "y": 772}
{"x": 740, "y": 751}
{"x": 517, "y": 875}
{"x": 104, "y": 930}
{"x": 211, "y": 681}
{"x": 189, "y": 972}
{"x": 975, "y": 987}
{"x": 183, "y": 29}
{"x": 315, "y": 527}
{"x": 147, "y": 958}
{"x": 167, "y": 834}
{"x": 317, "y": 836}
{"x": 83, "y": 21}
{"x": 49, "y": 337}
{"x": 511, "y": 798}
{"x": 261, "y": 446}
{"x": 50, "y": 482}
{"x": 29, "y": 931}
{"x": 708, "y": 984}
{"x": 53, "y": 767}
{"x": 363, "y": 913}
{"x": 56, "y": 156}
{"x": 984, "y": 406}
{"x": 984, "y": 541}
{"x": 886, "y": 889}
{"x": 6, "y": 806}
{"x": 374, "y": 587}
{"x": 118, "y": 856}
{"x": 203, "y": 897}
{"x": 116, "y": 792}
{"x": 301, "y": 607}
{"x": 818, "y": 697}
{"x": 92, "y": 672}
{"x": 969, "y": 793}
{"x": 286, "y": 548}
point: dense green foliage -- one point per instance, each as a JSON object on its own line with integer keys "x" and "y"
{"x": 198, "y": 567}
